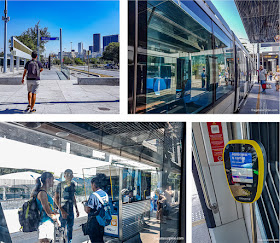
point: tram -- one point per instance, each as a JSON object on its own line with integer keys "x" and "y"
{"x": 184, "y": 58}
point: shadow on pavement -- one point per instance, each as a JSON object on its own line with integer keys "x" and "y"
{"x": 63, "y": 102}
{"x": 11, "y": 111}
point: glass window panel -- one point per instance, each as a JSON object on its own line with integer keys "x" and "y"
{"x": 179, "y": 60}
{"x": 224, "y": 62}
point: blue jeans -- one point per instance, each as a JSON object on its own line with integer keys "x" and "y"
{"x": 69, "y": 221}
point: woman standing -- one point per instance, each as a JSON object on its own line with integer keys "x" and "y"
{"x": 45, "y": 205}
{"x": 94, "y": 207}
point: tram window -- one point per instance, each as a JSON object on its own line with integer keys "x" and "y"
{"x": 224, "y": 62}
{"x": 179, "y": 51}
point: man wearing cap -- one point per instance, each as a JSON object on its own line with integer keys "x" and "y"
{"x": 33, "y": 69}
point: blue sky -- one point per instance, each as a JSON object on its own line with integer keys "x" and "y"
{"x": 79, "y": 20}
{"x": 229, "y": 12}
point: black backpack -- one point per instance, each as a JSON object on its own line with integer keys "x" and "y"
{"x": 29, "y": 215}
{"x": 33, "y": 69}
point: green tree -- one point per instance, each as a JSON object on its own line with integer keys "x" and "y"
{"x": 111, "y": 52}
{"x": 78, "y": 61}
{"x": 93, "y": 60}
{"x": 68, "y": 60}
{"x": 56, "y": 62}
{"x": 29, "y": 37}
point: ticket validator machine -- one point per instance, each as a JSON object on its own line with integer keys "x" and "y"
{"x": 245, "y": 165}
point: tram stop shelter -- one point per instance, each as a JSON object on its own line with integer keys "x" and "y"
{"x": 140, "y": 160}
{"x": 261, "y": 22}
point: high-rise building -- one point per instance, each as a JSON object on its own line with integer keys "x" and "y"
{"x": 96, "y": 43}
{"x": 109, "y": 39}
{"x": 91, "y": 48}
{"x": 80, "y": 47}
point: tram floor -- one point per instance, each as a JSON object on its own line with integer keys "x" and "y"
{"x": 259, "y": 102}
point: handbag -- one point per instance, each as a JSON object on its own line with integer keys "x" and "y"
{"x": 86, "y": 227}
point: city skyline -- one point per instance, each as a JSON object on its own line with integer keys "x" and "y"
{"x": 58, "y": 15}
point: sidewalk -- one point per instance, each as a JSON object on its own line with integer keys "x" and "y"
{"x": 61, "y": 97}
{"x": 261, "y": 103}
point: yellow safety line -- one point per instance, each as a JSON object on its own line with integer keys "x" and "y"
{"x": 199, "y": 222}
{"x": 258, "y": 100}
{"x": 83, "y": 71}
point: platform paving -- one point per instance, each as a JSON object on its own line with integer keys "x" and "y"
{"x": 258, "y": 102}
{"x": 61, "y": 97}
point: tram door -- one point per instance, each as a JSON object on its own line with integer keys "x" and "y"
{"x": 225, "y": 218}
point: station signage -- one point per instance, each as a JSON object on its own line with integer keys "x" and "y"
{"x": 113, "y": 228}
{"x": 49, "y": 38}
{"x": 216, "y": 137}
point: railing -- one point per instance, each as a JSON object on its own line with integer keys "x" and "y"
{"x": 66, "y": 71}
{"x": 268, "y": 204}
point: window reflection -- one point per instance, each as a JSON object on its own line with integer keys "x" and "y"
{"x": 185, "y": 61}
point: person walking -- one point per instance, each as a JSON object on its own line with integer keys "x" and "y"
{"x": 203, "y": 77}
{"x": 65, "y": 200}
{"x": 263, "y": 77}
{"x": 33, "y": 69}
{"x": 270, "y": 75}
{"x": 45, "y": 206}
{"x": 94, "y": 207}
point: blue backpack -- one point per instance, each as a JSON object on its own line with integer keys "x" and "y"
{"x": 105, "y": 216}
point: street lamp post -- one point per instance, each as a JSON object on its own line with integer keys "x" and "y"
{"x": 61, "y": 58}
{"x": 38, "y": 41}
{"x": 6, "y": 19}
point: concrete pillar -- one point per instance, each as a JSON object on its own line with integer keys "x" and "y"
{"x": 11, "y": 63}
{"x": 258, "y": 56}
{"x": 17, "y": 62}
{"x": 4, "y": 194}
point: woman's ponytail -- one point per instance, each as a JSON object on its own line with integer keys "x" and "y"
{"x": 40, "y": 181}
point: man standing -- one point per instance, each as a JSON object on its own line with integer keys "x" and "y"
{"x": 33, "y": 69}
{"x": 263, "y": 77}
{"x": 203, "y": 76}
{"x": 65, "y": 200}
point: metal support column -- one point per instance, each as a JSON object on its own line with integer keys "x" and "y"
{"x": 11, "y": 62}
{"x": 17, "y": 63}
{"x": 38, "y": 41}
{"x": 120, "y": 205}
{"x": 6, "y": 19}
{"x": 61, "y": 59}
{"x": 253, "y": 223}
{"x": 135, "y": 60}
{"x": 258, "y": 56}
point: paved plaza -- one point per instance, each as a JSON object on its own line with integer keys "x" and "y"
{"x": 57, "y": 96}
{"x": 258, "y": 102}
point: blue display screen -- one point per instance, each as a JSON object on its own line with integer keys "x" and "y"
{"x": 241, "y": 167}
